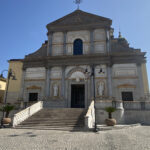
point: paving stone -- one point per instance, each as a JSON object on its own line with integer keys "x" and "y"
{"x": 133, "y": 138}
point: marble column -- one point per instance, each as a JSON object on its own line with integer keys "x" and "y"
{"x": 109, "y": 80}
{"x": 49, "y": 47}
{"x": 140, "y": 78}
{"x": 63, "y": 82}
{"x": 92, "y": 41}
{"x": 47, "y": 82}
{"x": 64, "y": 44}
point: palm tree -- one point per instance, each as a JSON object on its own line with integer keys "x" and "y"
{"x": 7, "y": 108}
{"x": 110, "y": 110}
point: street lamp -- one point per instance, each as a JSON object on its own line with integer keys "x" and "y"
{"x": 11, "y": 74}
{"x": 92, "y": 74}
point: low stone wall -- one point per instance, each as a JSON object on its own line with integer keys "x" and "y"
{"x": 127, "y": 112}
{"x": 90, "y": 116}
{"x": 137, "y": 116}
{"x": 26, "y": 113}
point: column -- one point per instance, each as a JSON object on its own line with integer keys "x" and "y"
{"x": 140, "y": 78}
{"x": 64, "y": 44}
{"x": 109, "y": 80}
{"x": 91, "y": 41}
{"x": 49, "y": 47}
{"x": 63, "y": 82}
{"x": 108, "y": 41}
{"x": 47, "y": 82}
{"x": 91, "y": 79}
{"x": 21, "y": 95}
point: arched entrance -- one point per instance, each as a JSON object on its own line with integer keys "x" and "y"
{"x": 77, "y": 89}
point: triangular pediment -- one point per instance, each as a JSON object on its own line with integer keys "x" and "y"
{"x": 79, "y": 17}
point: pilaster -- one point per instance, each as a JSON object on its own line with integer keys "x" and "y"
{"x": 63, "y": 82}
{"x": 21, "y": 94}
{"x": 109, "y": 80}
{"x": 140, "y": 78}
{"x": 92, "y": 41}
{"x": 64, "y": 44}
{"x": 108, "y": 42}
{"x": 47, "y": 82}
{"x": 49, "y": 47}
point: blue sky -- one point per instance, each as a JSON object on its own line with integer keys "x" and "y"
{"x": 23, "y": 23}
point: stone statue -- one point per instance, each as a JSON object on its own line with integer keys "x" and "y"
{"x": 101, "y": 89}
{"x": 55, "y": 89}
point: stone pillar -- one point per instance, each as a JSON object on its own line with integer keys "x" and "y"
{"x": 47, "y": 82}
{"x": 49, "y": 47}
{"x": 63, "y": 82}
{"x": 108, "y": 41}
{"x": 92, "y": 41}
{"x": 21, "y": 94}
{"x": 140, "y": 80}
{"x": 64, "y": 45}
{"x": 109, "y": 80}
{"x": 91, "y": 81}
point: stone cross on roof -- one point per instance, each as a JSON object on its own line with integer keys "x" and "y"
{"x": 78, "y": 2}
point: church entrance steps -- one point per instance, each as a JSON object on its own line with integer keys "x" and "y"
{"x": 58, "y": 118}
{"x": 54, "y": 104}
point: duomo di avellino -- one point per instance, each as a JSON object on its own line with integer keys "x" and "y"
{"x": 59, "y": 72}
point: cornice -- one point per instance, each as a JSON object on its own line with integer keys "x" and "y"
{"x": 89, "y": 59}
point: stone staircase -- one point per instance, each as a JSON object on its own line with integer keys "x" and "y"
{"x": 56, "y": 119}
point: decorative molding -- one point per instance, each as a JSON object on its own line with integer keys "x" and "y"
{"x": 126, "y": 86}
{"x": 34, "y": 80}
{"x": 100, "y": 77}
{"x": 126, "y": 77}
{"x": 34, "y": 87}
{"x": 75, "y": 70}
{"x": 55, "y": 79}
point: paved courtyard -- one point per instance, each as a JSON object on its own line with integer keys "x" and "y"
{"x": 133, "y": 138}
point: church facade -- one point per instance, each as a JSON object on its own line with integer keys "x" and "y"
{"x": 80, "y": 60}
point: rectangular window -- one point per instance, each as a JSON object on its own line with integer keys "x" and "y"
{"x": 33, "y": 97}
{"x": 127, "y": 96}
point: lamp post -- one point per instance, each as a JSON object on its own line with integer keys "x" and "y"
{"x": 92, "y": 74}
{"x": 11, "y": 74}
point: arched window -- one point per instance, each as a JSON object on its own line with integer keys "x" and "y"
{"x": 78, "y": 47}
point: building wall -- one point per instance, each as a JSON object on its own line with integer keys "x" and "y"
{"x": 15, "y": 85}
{"x": 2, "y": 89}
{"x": 2, "y": 85}
{"x": 125, "y": 79}
{"x": 145, "y": 78}
{"x": 99, "y": 40}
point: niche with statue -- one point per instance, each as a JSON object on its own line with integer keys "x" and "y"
{"x": 100, "y": 89}
{"x": 55, "y": 90}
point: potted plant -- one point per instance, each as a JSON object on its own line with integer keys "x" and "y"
{"x": 7, "y": 109}
{"x": 110, "y": 121}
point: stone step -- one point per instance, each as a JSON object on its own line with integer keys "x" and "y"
{"x": 55, "y": 119}
{"x": 53, "y": 128}
{"x": 54, "y": 123}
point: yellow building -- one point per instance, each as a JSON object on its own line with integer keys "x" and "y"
{"x": 14, "y": 88}
{"x": 2, "y": 88}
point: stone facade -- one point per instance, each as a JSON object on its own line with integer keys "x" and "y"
{"x": 53, "y": 69}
